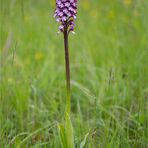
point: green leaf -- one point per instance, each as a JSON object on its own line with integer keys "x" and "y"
{"x": 62, "y": 136}
{"x": 69, "y": 132}
{"x": 84, "y": 141}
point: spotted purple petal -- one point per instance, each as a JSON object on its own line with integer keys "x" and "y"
{"x": 65, "y": 13}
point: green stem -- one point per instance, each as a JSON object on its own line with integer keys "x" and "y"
{"x": 67, "y": 65}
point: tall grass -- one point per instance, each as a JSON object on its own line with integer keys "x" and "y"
{"x": 108, "y": 70}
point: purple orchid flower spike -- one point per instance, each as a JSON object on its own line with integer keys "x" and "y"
{"x": 65, "y": 13}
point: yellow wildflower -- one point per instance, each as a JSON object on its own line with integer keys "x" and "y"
{"x": 86, "y": 5}
{"x": 39, "y": 56}
{"x": 52, "y": 3}
{"x": 111, "y": 14}
{"x": 127, "y": 2}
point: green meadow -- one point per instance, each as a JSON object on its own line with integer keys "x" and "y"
{"x": 109, "y": 74}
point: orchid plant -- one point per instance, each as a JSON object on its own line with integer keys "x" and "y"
{"x": 65, "y": 13}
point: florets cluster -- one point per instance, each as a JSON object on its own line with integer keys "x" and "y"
{"x": 65, "y": 13}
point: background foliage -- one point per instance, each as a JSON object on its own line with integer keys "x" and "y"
{"x": 108, "y": 70}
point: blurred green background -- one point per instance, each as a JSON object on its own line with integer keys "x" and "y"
{"x": 109, "y": 74}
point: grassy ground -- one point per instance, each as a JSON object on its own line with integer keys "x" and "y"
{"x": 109, "y": 74}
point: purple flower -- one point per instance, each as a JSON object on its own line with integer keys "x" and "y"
{"x": 65, "y": 13}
